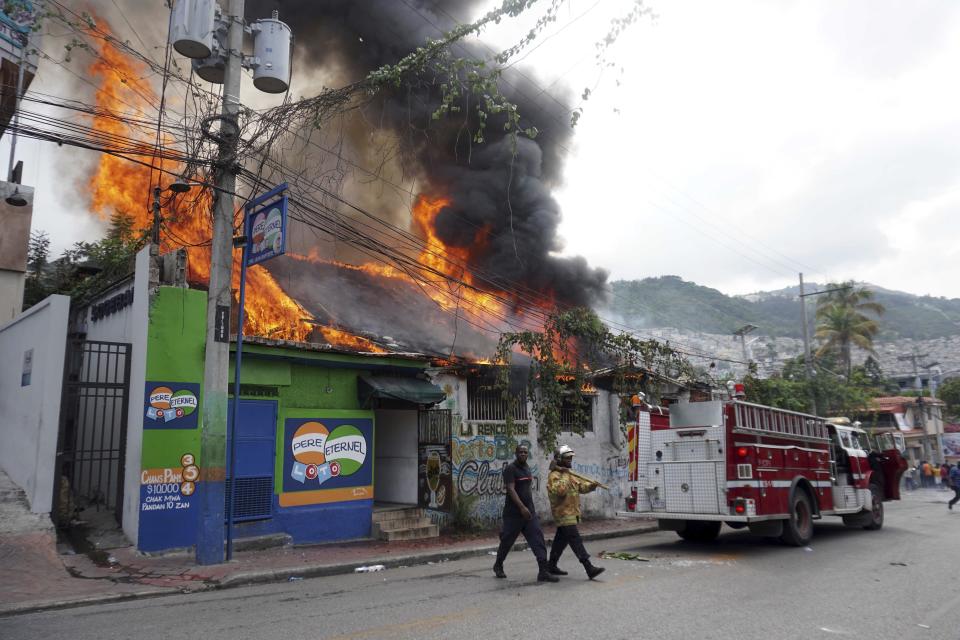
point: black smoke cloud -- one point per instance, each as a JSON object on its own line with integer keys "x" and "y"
{"x": 509, "y": 196}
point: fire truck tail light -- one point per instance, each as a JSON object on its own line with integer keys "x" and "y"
{"x": 742, "y": 452}
{"x": 744, "y": 507}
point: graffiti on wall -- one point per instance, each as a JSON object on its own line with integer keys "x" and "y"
{"x": 478, "y": 464}
{"x": 613, "y": 473}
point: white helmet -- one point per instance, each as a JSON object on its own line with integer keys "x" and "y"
{"x": 562, "y": 451}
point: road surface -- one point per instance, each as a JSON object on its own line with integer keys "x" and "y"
{"x": 902, "y": 582}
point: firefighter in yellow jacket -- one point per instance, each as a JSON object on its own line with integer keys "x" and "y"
{"x": 564, "y": 490}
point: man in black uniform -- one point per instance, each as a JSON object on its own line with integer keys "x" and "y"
{"x": 520, "y": 516}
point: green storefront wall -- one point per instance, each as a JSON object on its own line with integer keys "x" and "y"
{"x": 302, "y": 382}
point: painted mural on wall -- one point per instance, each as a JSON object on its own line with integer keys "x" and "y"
{"x": 951, "y": 444}
{"x": 613, "y": 473}
{"x": 434, "y": 477}
{"x": 478, "y": 463}
{"x": 327, "y": 460}
{"x": 170, "y": 472}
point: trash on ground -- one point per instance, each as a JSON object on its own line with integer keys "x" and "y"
{"x": 808, "y": 548}
{"x": 898, "y": 564}
{"x": 923, "y": 626}
{"x": 294, "y": 578}
{"x": 491, "y": 553}
{"x": 623, "y": 555}
{"x": 112, "y": 560}
{"x": 369, "y": 569}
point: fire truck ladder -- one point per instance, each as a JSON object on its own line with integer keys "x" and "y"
{"x": 755, "y": 419}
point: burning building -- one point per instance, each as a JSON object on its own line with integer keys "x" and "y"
{"x": 355, "y": 363}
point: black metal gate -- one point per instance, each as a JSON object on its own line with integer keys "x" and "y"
{"x": 93, "y": 424}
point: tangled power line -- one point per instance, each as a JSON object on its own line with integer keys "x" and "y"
{"x": 175, "y": 143}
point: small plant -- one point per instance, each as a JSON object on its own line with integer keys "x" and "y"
{"x": 461, "y": 518}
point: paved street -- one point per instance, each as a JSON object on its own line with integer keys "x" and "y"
{"x": 896, "y": 583}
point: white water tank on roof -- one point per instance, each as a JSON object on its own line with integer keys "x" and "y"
{"x": 271, "y": 50}
{"x": 192, "y": 23}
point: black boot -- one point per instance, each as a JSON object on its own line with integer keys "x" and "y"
{"x": 545, "y": 575}
{"x": 498, "y": 570}
{"x": 592, "y": 571}
{"x": 553, "y": 568}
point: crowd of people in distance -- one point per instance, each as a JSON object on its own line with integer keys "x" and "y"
{"x": 929, "y": 475}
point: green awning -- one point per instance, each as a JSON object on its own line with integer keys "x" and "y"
{"x": 402, "y": 388}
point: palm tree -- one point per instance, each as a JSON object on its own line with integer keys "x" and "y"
{"x": 843, "y": 321}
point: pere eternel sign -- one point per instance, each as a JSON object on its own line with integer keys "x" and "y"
{"x": 111, "y": 305}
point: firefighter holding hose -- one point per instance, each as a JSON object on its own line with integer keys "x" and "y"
{"x": 564, "y": 487}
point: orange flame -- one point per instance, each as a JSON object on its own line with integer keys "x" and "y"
{"x": 451, "y": 261}
{"x": 119, "y": 185}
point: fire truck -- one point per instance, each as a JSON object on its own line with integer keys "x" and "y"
{"x": 697, "y": 465}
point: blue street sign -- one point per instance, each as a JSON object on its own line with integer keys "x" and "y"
{"x": 266, "y": 231}
{"x": 265, "y": 226}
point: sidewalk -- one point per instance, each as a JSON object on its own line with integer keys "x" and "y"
{"x": 34, "y": 577}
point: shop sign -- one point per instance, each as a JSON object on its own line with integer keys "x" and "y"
{"x": 328, "y": 455}
{"x": 171, "y": 405}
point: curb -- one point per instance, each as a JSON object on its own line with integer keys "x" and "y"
{"x": 393, "y": 562}
{"x": 7, "y": 611}
{"x": 310, "y": 571}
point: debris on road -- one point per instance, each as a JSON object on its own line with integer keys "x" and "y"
{"x": 369, "y": 569}
{"x": 623, "y": 555}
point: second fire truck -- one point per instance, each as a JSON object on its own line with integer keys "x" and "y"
{"x": 701, "y": 464}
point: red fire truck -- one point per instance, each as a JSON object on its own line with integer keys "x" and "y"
{"x": 700, "y": 464}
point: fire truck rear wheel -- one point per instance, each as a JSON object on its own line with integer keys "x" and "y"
{"x": 798, "y": 529}
{"x": 700, "y": 531}
{"x": 876, "y": 515}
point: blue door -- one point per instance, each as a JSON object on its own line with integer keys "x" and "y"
{"x": 256, "y": 452}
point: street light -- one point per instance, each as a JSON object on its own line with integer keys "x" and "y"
{"x": 16, "y": 198}
{"x": 178, "y": 186}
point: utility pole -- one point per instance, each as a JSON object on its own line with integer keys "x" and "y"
{"x": 217, "y": 355}
{"x": 913, "y": 357}
{"x": 742, "y": 334}
{"x": 807, "y": 364}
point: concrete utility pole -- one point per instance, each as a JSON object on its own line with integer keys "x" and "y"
{"x": 807, "y": 363}
{"x": 913, "y": 357}
{"x": 217, "y": 354}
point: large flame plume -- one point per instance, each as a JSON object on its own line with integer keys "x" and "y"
{"x": 123, "y": 186}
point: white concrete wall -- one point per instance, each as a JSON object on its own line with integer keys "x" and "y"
{"x": 135, "y": 332}
{"x": 479, "y": 454}
{"x": 602, "y": 455}
{"x": 395, "y": 456}
{"x": 30, "y": 415}
{"x": 11, "y": 294}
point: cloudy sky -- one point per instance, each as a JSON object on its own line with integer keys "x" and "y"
{"x": 733, "y": 144}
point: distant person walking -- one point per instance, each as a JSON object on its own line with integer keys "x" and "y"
{"x": 927, "y": 474}
{"x": 520, "y": 516}
{"x": 910, "y": 476}
{"x": 944, "y": 477}
{"x": 955, "y": 481}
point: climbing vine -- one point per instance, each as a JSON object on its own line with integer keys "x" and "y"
{"x": 573, "y": 345}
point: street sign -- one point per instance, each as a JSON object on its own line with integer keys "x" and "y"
{"x": 265, "y": 228}
{"x": 266, "y": 231}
